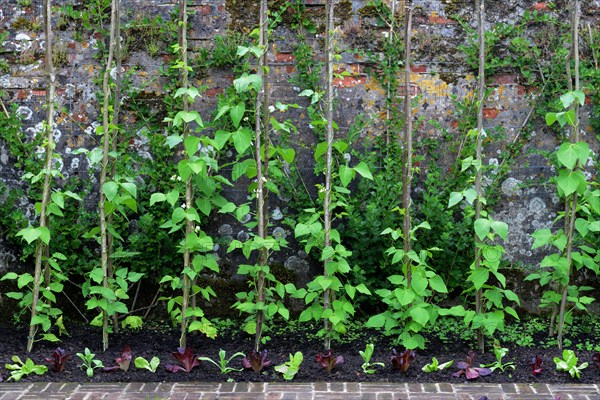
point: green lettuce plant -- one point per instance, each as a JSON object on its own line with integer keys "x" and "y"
{"x": 21, "y": 369}
{"x": 568, "y": 363}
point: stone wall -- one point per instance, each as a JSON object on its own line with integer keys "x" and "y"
{"x": 440, "y": 77}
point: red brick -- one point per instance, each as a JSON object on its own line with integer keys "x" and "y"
{"x": 213, "y": 92}
{"x": 39, "y": 93}
{"x": 21, "y": 94}
{"x": 421, "y": 69}
{"x": 348, "y": 81}
{"x": 205, "y": 9}
{"x": 289, "y": 69}
{"x": 490, "y": 113}
{"x": 435, "y": 19}
{"x": 506, "y": 79}
{"x": 284, "y": 57}
{"x": 541, "y": 6}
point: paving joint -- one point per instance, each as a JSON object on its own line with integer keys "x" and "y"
{"x": 296, "y": 391}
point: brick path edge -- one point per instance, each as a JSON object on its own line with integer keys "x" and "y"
{"x": 295, "y": 391}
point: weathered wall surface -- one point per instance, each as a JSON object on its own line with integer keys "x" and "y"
{"x": 441, "y": 79}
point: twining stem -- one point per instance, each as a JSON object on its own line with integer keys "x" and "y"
{"x": 329, "y": 37}
{"x": 408, "y": 144}
{"x": 478, "y": 156}
{"x": 189, "y": 193}
{"x": 104, "y": 167}
{"x": 114, "y": 141}
{"x": 262, "y": 162}
{"x": 40, "y": 249}
{"x": 571, "y": 206}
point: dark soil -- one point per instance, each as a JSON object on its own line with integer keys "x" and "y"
{"x": 163, "y": 342}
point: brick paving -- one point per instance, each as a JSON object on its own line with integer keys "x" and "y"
{"x": 295, "y": 391}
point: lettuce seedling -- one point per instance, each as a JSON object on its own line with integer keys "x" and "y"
{"x": 569, "y": 364}
{"x": 122, "y": 362}
{"x": 536, "y": 365}
{"x": 436, "y": 366}
{"x": 186, "y": 358}
{"x": 470, "y": 372}
{"x": 290, "y": 369}
{"x": 58, "y": 358}
{"x": 141, "y": 362}
{"x": 403, "y": 361}
{"x": 257, "y": 360}
{"x": 328, "y": 361}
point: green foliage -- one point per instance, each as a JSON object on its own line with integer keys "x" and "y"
{"x": 223, "y": 363}
{"x": 409, "y": 310}
{"x": 89, "y": 362}
{"x": 487, "y": 234}
{"x": 290, "y": 368}
{"x": 368, "y": 367}
{"x": 151, "y": 365}
{"x": 500, "y": 352}
{"x": 568, "y": 363}
{"x": 579, "y": 250}
{"x": 434, "y": 366}
{"x": 22, "y": 369}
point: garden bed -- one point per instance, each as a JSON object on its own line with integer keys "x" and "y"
{"x": 161, "y": 342}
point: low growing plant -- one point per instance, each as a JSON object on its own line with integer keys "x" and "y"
{"x": 466, "y": 368}
{"x": 89, "y": 362}
{"x": 366, "y": 355}
{"x": 536, "y": 365}
{"x": 434, "y": 366}
{"x": 257, "y": 360}
{"x": 123, "y": 361}
{"x": 20, "y": 369}
{"x": 500, "y": 352}
{"x": 152, "y": 365}
{"x": 187, "y": 360}
{"x": 290, "y": 368}
{"x": 328, "y": 361}
{"x": 403, "y": 361}
{"x": 223, "y": 363}
{"x": 57, "y": 359}
{"x": 568, "y": 363}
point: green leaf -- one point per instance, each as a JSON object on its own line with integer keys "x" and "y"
{"x": 570, "y": 182}
{"x": 501, "y": 228}
{"x": 569, "y": 153}
{"x": 419, "y": 315}
{"x": 455, "y": 198}
{"x": 320, "y": 150}
{"x": 346, "y": 175}
{"x": 157, "y": 197}
{"x": 191, "y": 145}
{"x": 376, "y": 321}
{"x": 173, "y": 140}
{"x": 288, "y": 155}
{"x": 479, "y": 277}
{"x": 237, "y": 113}
{"x": 437, "y": 283}
{"x": 550, "y": 118}
{"x": 242, "y": 138}
{"x": 247, "y": 82}
{"x": 363, "y": 169}
{"x": 542, "y": 237}
{"x": 482, "y": 227}
{"x": 110, "y": 190}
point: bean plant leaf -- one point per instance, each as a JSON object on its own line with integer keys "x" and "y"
{"x": 363, "y": 169}
{"x": 569, "y": 153}
{"x": 455, "y": 198}
{"x": 482, "y": 227}
{"x": 570, "y": 182}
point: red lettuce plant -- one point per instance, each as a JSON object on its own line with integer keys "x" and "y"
{"x": 257, "y": 360}
{"x": 122, "y": 362}
{"x": 58, "y": 358}
{"x": 328, "y": 361}
{"x": 536, "y": 364}
{"x": 596, "y": 360}
{"x": 467, "y": 368}
{"x": 186, "y": 358}
{"x": 403, "y": 361}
